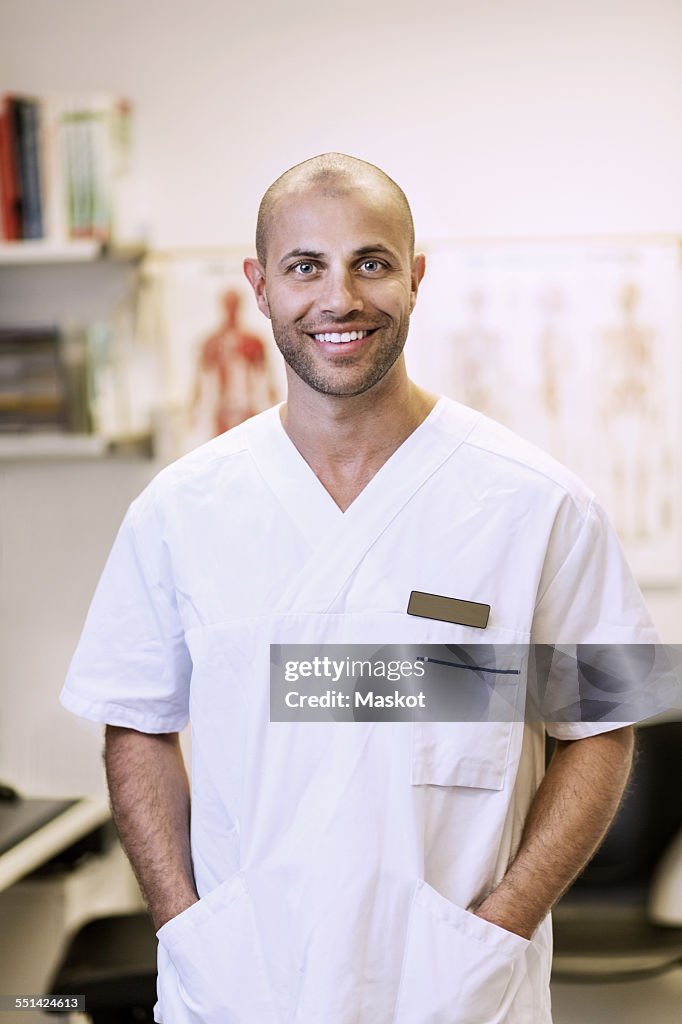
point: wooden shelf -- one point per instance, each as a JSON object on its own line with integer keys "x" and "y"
{"x": 17, "y": 447}
{"x": 57, "y": 447}
{"x": 85, "y": 250}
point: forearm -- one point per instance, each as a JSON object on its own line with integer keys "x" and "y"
{"x": 568, "y": 819}
{"x": 150, "y": 799}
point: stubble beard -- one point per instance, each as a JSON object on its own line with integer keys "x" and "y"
{"x": 340, "y": 380}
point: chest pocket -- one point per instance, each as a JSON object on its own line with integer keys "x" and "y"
{"x": 482, "y": 689}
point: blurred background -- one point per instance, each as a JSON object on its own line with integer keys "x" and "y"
{"x": 539, "y": 144}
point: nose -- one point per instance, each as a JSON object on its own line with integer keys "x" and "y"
{"x": 340, "y": 294}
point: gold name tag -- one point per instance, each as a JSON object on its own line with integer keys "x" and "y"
{"x": 448, "y": 609}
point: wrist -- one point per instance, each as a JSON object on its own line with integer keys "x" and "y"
{"x": 162, "y": 913}
{"x": 508, "y": 916}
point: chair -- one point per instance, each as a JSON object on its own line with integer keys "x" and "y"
{"x": 112, "y": 962}
{"x": 613, "y": 925}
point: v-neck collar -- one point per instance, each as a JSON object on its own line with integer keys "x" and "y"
{"x": 297, "y": 486}
{"x": 402, "y": 449}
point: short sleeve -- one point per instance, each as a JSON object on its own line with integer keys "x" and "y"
{"x": 132, "y": 667}
{"x": 589, "y": 598}
{"x": 592, "y": 597}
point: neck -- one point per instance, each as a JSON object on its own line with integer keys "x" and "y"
{"x": 346, "y": 439}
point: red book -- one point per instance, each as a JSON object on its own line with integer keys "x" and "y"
{"x": 10, "y": 187}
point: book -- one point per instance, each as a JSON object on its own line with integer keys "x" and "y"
{"x": 95, "y": 141}
{"x": 10, "y": 195}
{"x": 66, "y": 169}
{"x": 27, "y": 141}
{"x": 33, "y": 383}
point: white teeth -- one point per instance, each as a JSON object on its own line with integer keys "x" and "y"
{"x": 341, "y": 339}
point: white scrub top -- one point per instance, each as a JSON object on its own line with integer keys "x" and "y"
{"x": 336, "y": 861}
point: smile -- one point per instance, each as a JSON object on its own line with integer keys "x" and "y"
{"x": 342, "y": 339}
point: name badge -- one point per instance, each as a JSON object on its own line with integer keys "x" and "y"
{"x": 448, "y": 609}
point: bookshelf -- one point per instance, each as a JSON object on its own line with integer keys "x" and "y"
{"x": 46, "y": 251}
{"x": 74, "y": 287}
{"x": 70, "y": 252}
{"x": 20, "y": 447}
{"x": 60, "y": 447}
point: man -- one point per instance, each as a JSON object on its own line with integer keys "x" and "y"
{"x": 350, "y": 873}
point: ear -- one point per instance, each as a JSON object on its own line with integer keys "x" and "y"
{"x": 256, "y": 275}
{"x": 418, "y": 271}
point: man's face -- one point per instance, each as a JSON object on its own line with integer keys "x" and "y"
{"x": 339, "y": 287}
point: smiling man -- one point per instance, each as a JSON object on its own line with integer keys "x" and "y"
{"x": 351, "y": 287}
{"x": 354, "y": 873}
{"x": 338, "y": 277}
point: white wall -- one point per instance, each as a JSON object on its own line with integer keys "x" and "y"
{"x": 498, "y": 117}
{"x": 57, "y": 523}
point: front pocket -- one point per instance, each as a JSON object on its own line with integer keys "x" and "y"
{"x": 475, "y": 754}
{"x": 478, "y": 691}
{"x": 457, "y": 968}
{"x": 215, "y": 949}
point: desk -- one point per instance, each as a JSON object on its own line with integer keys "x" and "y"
{"x": 74, "y": 821}
{"x": 39, "y": 912}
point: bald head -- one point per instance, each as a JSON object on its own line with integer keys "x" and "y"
{"x": 332, "y": 174}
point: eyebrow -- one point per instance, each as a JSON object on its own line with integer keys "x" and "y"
{"x": 367, "y": 250}
{"x": 310, "y": 254}
{"x": 313, "y": 254}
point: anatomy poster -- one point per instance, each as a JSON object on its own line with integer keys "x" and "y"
{"x": 576, "y": 345}
{"x": 219, "y": 361}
